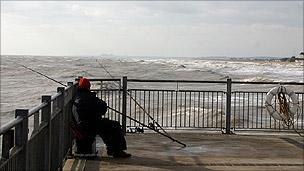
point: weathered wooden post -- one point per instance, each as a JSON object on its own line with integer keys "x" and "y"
{"x": 36, "y": 123}
{"x": 124, "y": 103}
{"x": 228, "y": 106}
{"x": 71, "y": 91}
{"x": 21, "y": 137}
{"x": 61, "y": 123}
{"x": 69, "y": 119}
{"x": 46, "y": 118}
{"x": 7, "y": 143}
{"x": 70, "y": 84}
{"x": 78, "y": 78}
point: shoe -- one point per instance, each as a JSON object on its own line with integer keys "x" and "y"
{"x": 121, "y": 154}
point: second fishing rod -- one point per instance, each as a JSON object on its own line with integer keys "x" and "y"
{"x": 138, "y": 104}
{"x": 147, "y": 126}
{"x": 135, "y": 101}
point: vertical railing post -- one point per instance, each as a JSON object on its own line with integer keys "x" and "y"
{"x": 36, "y": 123}
{"x": 61, "y": 123}
{"x": 228, "y": 106}
{"x": 70, "y": 138}
{"x": 124, "y": 103}
{"x": 21, "y": 137}
{"x": 46, "y": 118}
{"x": 101, "y": 89}
{"x": 78, "y": 78}
{"x": 7, "y": 143}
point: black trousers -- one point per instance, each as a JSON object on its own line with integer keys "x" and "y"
{"x": 112, "y": 135}
{"x": 110, "y": 131}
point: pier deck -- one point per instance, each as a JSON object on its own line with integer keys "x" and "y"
{"x": 208, "y": 152}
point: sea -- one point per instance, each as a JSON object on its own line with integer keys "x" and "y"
{"x": 22, "y": 88}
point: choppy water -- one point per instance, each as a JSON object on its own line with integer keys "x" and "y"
{"x": 21, "y": 88}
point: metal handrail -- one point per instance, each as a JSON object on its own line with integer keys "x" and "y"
{"x": 172, "y": 90}
{"x": 221, "y": 82}
{"x": 55, "y": 96}
{"x": 10, "y": 125}
{"x": 99, "y": 79}
{"x": 261, "y": 82}
{"x": 44, "y": 134}
{"x": 32, "y": 111}
{"x": 36, "y": 109}
{"x": 176, "y": 81}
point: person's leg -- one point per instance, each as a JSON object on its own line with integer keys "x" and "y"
{"x": 112, "y": 135}
{"x": 84, "y": 146}
{"x": 85, "y": 140}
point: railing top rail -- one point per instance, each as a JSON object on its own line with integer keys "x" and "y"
{"x": 42, "y": 105}
{"x": 101, "y": 79}
{"x": 55, "y": 96}
{"x": 175, "y": 81}
{"x": 36, "y": 109}
{"x": 10, "y": 125}
{"x": 31, "y": 112}
{"x": 261, "y": 82}
{"x": 171, "y": 90}
{"x": 221, "y": 82}
{"x": 106, "y": 89}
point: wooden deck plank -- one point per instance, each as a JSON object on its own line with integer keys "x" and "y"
{"x": 74, "y": 165}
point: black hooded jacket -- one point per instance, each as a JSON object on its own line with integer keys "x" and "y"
{"x": 87, "y": 108}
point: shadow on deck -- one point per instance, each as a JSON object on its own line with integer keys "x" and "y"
{"x": 205, "y": 152}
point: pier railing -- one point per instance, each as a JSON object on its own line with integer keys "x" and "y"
{"x": 40, "y": 138}
{"x": 217, "y": 105}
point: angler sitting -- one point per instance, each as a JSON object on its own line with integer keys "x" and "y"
{"x": 87, "y": 123}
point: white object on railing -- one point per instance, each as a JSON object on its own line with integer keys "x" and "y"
{"x": 275, "y": 92}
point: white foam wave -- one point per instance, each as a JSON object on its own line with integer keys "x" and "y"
{"x": 23, "y": 88}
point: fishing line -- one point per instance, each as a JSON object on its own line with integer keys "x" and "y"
{"x": 105, "y": 69}
{"x": 117, "y": 84}
{"x": 137, "y": 103}
{"x": 43, "y": 75}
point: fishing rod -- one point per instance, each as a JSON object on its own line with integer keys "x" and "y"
{"x": 157, "y": 124}
{"x": 137, "y": 103}
{"x": 42, "y": 74}
{"x": 142, "y": 124}
{"x": 105, "y": 69}
{"x": 166, "y": 135}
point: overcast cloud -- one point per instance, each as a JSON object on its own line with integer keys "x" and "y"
{"x": 174, "y": 28}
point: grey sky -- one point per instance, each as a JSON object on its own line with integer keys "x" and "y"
{"x": 172, "y": 28}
